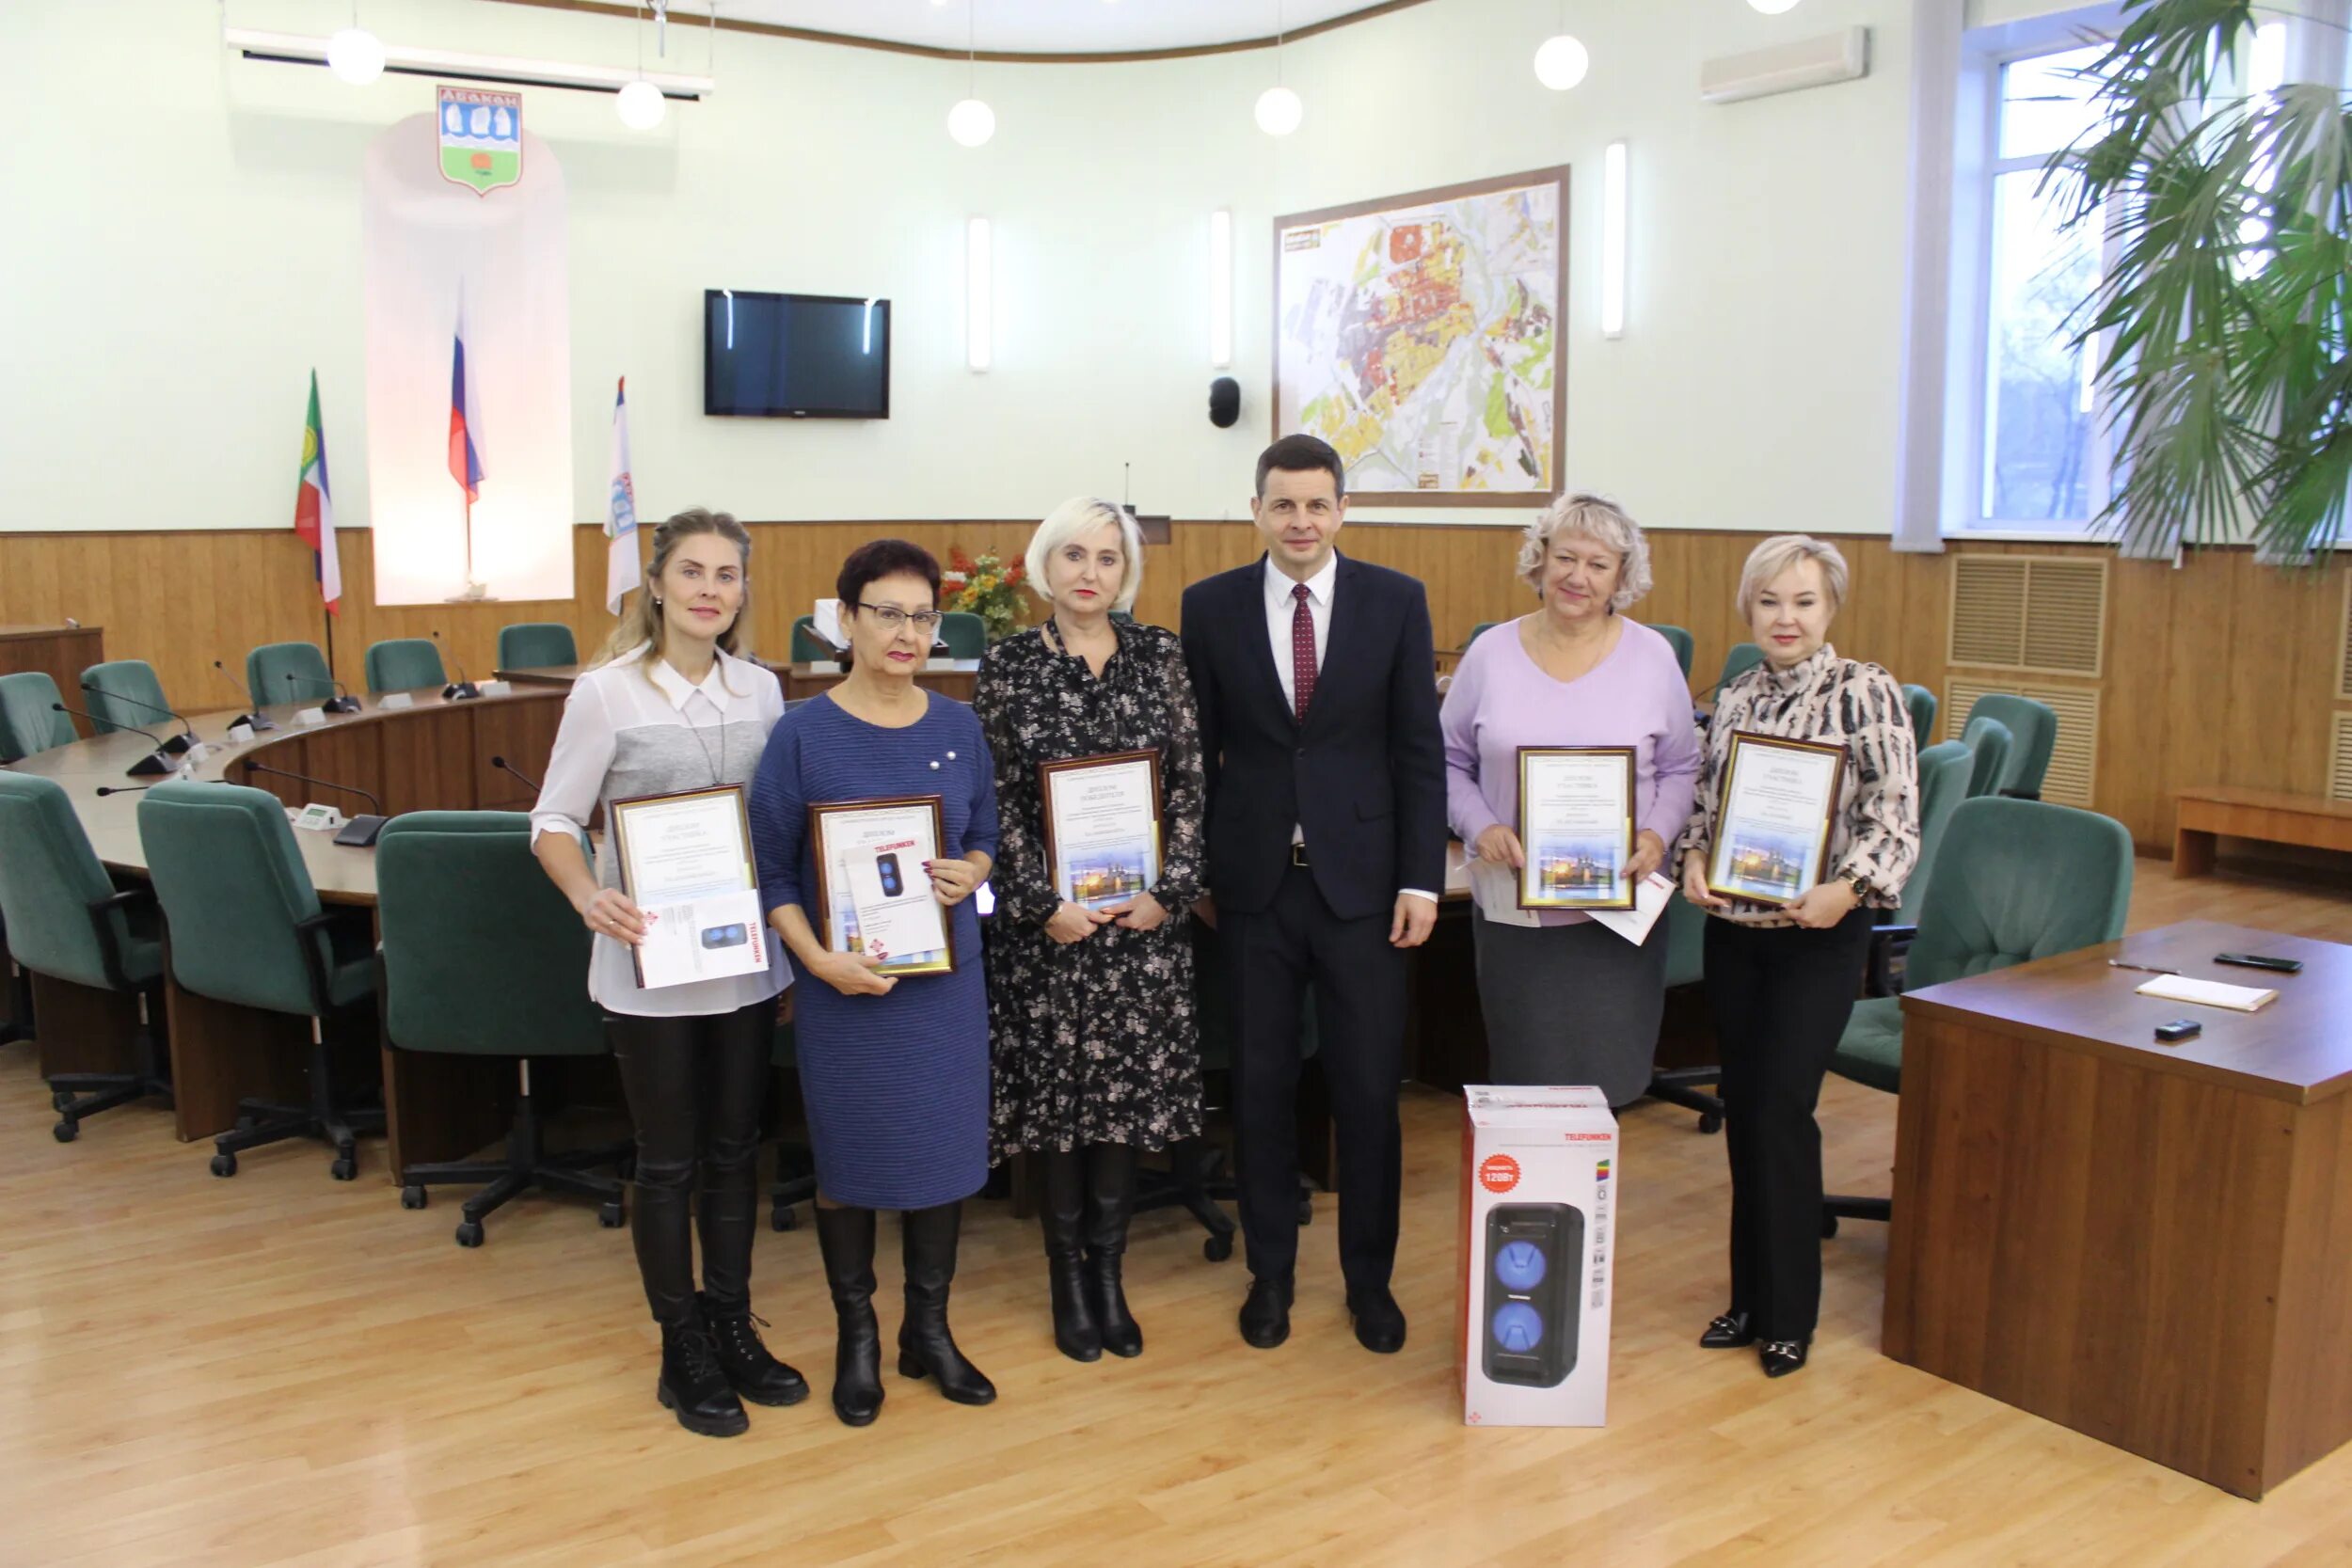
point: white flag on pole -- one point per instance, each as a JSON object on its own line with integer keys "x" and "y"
{"x": 621, "y": 570}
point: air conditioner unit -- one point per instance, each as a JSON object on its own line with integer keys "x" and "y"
{"x": 1840, "y": 57}
{"x": 450, "y": 66}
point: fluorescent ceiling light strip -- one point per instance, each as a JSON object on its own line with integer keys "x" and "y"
{"x": 303, "y": 49}
{"x": 1613, "y": 239}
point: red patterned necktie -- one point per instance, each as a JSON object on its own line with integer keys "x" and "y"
{"x": 1302, "y": 652}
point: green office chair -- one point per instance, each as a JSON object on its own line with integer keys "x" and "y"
{"x": 2033, "y": 735}
{"x": 287, "y": 672}
{"x": 2015, "y": 881}
{"x": 405, "y": 665}
{"x": 66, "y": 920}
{"x": 483, "y": 957}
{"x": 1479, "y": 630}
{"x": 536, "y": 644}
{"x": 1944, "y": 773}
{"x": 247, "y": 928}
{"x": 29, "y": 720}
{"x": 1922, "y": 704}
{"x": 1686, "y": 965}
{"x": 807, "y": 647}
{"x": 1989, "y": 742}
{"x": 125, "y": 693}
{"x": 1743, "y": 657}
{"x": 1683, "y": 643}
{"x": 964, "y": 634}
{"x": 796, "y": 1167}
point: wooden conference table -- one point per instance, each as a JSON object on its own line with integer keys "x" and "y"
{"x": 430, "y": 755}
{"x": 2149, "y": 1243}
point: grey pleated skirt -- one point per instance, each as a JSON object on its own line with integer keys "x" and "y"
{"x": 1570, "y": 1004}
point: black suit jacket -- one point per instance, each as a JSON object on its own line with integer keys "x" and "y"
{"x": 1364, "y": 776}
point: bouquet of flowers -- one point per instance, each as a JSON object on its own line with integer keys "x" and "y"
{"x": 986, "y": 588}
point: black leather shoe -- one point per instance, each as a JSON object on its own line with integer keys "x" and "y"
{"x": 1782, "y": 1357}
{"x": 925, "y": 1344}
{"x": 750, "y": 1371}
{"x": 846, "y": 1237}
{"x": 1728, "y": 1332}
{"x": 693, "y": 1386}
{"x": 1265, "y": 1317}
{"x": 1062, "y": 1216}
{"x": 1379, "y": 1322}
{"x": 1110, "y": 1201}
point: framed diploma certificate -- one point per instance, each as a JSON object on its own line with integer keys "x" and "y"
{"x": 1103, "y": 827}
{"x": 872, "y": 892}
{"x": 686, "y": 860}
{"x": 1576, "y": 823}
{"x": 1779, "y": 802}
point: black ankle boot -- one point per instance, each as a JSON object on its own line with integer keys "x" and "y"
{"x": 924, "y": 1343}
{"x": 1110, "y": 1203}
{"x": 744, "y": 1361}
{"x": 1063, "y": 1216}
{"x": 846, "y": 1236}
{"x": 692, "y": 1385}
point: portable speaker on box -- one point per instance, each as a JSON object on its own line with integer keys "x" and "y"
{"x": 1538, "y": 1207}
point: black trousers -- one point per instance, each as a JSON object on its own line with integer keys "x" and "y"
{"x": 695, "y": 1086}
{"x": 1781, "y": 997}
{"x": 1273, "y": 956}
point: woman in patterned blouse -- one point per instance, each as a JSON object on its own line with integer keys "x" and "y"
{"x": 1096, "y": 1046}
{"x": 1780, "y": 978}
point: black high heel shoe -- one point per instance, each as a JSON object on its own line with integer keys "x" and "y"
{"x": 1782, "y": 1357}
{"x": 1730, "y": 1331}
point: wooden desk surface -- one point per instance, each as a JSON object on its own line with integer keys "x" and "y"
{"x": 2298, "y": 1049}
{"x": 342, "y": 874}
{"x": 18, "y": 634}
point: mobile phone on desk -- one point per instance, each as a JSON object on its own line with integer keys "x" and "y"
{"x": 2178, "y": 1030}
{"x": 2261, "y": 960}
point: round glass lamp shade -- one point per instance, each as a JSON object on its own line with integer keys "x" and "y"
{"x": 641, "y": 106}
{"x": 1562, "y": 62}
{"x": 972, "y": 122}
{"x": 1280, "y": 111}
{"x": 356, "y": 55}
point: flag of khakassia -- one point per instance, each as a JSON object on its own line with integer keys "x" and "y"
{"x": 465, "y": 417}
{"x": 621, "y": 570}
{"x": 314, "y": 506}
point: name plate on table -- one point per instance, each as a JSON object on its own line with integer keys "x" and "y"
{"x": 1103, "y": 827}
{"x": 495, "y": 689}
{"x": 1576, "y": 825}
{"x": 1779, "y": 803}
{"x": 872, "y": 892}
{"x": 686, "y": 864}
{"x": 311, "y": 716}
{"x": 396, "y": 699}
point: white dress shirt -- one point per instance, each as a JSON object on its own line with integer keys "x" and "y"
{"x": 1281, "y": 606}
{"x": 631, "y": 729}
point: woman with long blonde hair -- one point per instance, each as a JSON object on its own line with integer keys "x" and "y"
{"x": 674, "y": 704}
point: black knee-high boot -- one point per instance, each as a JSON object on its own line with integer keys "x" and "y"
{"x": 729, "y": 1216}
{"x": 1063, "y": 1217}
{"x": 846, "y": 1236}
{"x": 924, "y": 1343}
{"x": 1110, "y": 1204}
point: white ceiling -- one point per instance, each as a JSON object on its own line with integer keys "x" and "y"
{"x": 1033, "y": 26}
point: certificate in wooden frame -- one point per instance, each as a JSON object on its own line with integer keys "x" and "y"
{"x": 819, "y": 815}
{"x": 1570, "y": 861}
{"x": 1767, "y": 856}
{"x": 1125, "y": 869}
{"x": 618, "y": 813}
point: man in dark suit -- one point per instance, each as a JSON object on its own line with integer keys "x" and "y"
{"x": 1327, "y": 829}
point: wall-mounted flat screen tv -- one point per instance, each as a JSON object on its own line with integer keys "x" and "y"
{"x": 801, "y": 356}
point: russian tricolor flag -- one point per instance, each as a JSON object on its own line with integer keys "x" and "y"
{"x": 465, "y": 417}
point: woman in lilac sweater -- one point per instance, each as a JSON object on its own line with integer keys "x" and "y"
{"x": 1568, "y": 999}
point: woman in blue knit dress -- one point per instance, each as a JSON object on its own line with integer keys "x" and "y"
{"x": 893, "y": 1069}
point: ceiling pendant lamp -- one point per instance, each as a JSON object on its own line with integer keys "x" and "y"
{"x": 1562, "y": 59}
{"x": 355, "y": 54}
{"x": 1279, "y": 111}
{"x": 971, "y": 121}
{"x": 639, "y": 103}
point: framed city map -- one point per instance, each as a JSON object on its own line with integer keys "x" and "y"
{"x": 1419, "y": 335}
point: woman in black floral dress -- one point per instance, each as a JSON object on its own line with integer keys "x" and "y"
{"x": 1096, "y": 1047}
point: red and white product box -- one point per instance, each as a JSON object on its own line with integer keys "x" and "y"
{"x": 1539, "y": 1202}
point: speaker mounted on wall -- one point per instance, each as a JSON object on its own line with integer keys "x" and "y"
{"x": 1224, "y": 402}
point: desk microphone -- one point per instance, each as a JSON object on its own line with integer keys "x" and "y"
{"x": 342, "y": 702}
{"x": 178, "y": 744}
{"x": 122, "y": 789}
{"x": 254, "y": 720}
{"x": 461, "y": 689}
{"x": 360, "y": 832}
{"x": 505, "y": 766}
{"x": 148, "y": 767}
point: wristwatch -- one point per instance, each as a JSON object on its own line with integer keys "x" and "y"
{"x": 1861, "y": 886}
